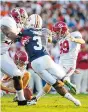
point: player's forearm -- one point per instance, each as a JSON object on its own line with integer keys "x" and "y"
{"x": 80, "y": 41}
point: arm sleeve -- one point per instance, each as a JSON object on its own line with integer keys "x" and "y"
{"x": 77, "y": 34}
{"x": 26, "y": 32}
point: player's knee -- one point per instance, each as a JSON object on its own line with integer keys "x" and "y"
{"x": 59, "y": 88}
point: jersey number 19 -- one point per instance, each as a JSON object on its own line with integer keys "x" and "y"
{"x": 64, "y": 47}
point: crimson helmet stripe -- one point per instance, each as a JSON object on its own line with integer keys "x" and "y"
{"x": 37, "y": 22}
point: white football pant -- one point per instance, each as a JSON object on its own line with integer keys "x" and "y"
{"x": 8, "y": 66}
{"x": 35, "y": 80}
{"x": 47, "y": 69}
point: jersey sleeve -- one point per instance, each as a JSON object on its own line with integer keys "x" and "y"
{"x": 47, "y": 34}
{"x": 76, "y": 34}
{"x": 26, "y": 32}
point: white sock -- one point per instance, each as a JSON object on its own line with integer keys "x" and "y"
{"x": 20, "y": 95}
{"x": 16, "y": 95}
{"x": 67, "y": 79}
{"x": 40, "y": 94}
{"x": 70, "y": 97}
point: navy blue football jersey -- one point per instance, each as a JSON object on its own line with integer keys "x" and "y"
{"x": 31, "y": 39}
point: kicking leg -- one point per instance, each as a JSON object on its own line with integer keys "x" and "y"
{"x": 63, "y": 92}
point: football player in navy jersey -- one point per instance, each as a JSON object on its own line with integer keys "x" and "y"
{"x": 41, "y": 62}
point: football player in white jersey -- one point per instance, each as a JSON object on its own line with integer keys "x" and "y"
{"x": 69, "y": 46}
{"x": 21, "y": 59}
{"x": 9, "y": 29}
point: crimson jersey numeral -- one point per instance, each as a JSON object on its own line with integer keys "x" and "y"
{"x": 64, "y": 47}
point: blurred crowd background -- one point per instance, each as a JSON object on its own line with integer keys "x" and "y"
{"x": 75, "y": 14}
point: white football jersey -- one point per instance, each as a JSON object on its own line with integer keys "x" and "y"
{"x": 55, "y": 53}
{"x": 4, "y": 48}
{"x": 69, "y": 50}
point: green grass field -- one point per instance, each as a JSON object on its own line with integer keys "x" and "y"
{"x": 48, "y": 103}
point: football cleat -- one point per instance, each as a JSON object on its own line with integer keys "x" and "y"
{"x": 71, "y": 86}
{"x": 33, "y": 101}
{"x": 25, "y": 102}
{"x": 77, "y": 102}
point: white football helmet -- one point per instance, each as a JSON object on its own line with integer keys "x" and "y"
{"x": 35, "y": 21}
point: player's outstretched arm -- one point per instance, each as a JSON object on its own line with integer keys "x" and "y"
{"x": 77, "y": 40}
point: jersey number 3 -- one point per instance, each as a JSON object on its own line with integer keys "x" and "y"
{"x": 64, "y": 47}
{"x": 39, "y": 43}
